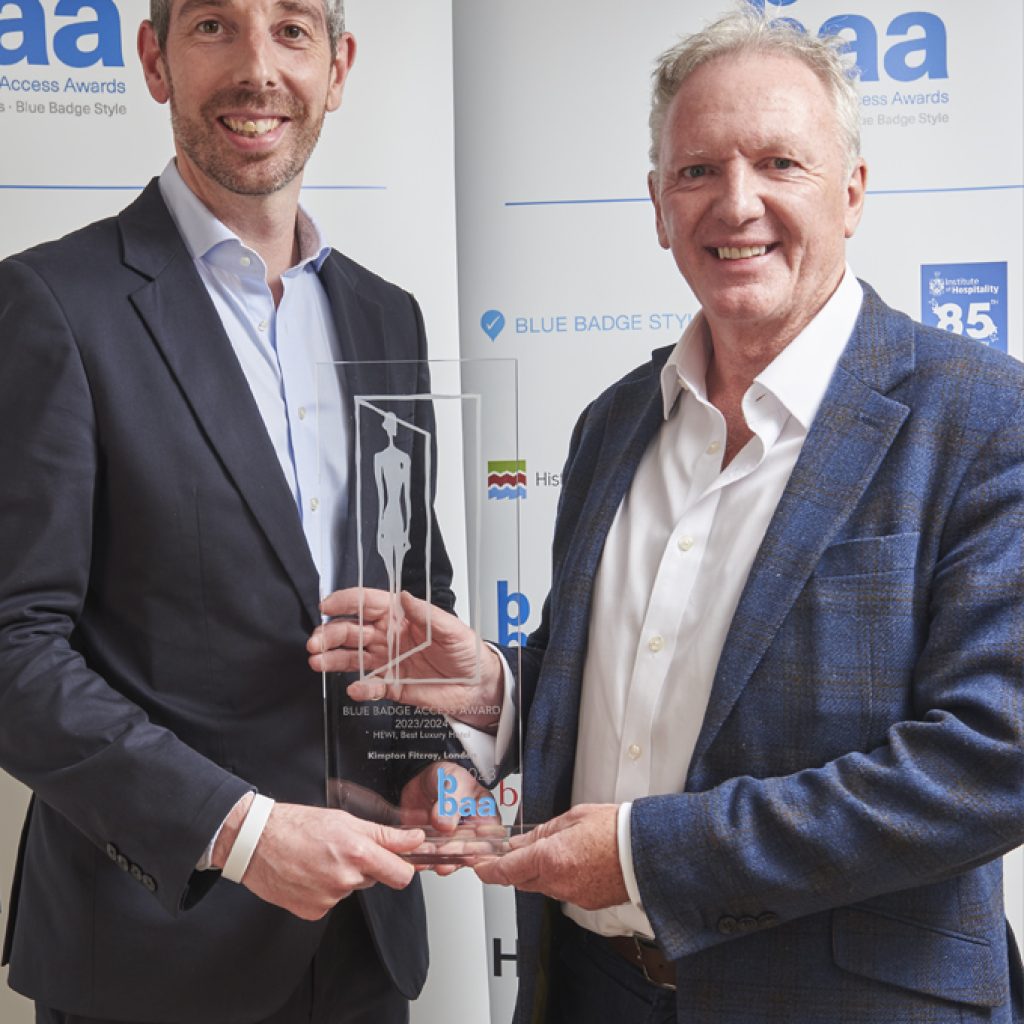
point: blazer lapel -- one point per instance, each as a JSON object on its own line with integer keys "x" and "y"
{"x": 363, "y": 348}
{"x": 185, "y": 326}
{"x": 854, "y": 428}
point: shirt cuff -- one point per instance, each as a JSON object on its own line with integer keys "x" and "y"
{"x": 205, "y": 863}
{"x": 626, "y": 854}
{"x": 487, "y": 750}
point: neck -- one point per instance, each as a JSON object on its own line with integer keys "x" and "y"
{"x": 267, "y": 224}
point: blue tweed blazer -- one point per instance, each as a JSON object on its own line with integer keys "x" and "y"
{"x": 833, "y": 855}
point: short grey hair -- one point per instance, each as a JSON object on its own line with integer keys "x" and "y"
{"x": 160, "y": 15}
{"x": 748, "y": 30}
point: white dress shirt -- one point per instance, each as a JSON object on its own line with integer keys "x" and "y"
{"x": 674, "y": 565}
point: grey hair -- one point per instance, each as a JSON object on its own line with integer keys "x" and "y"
{"x": 160, "y": 15}
{"x": 749, "y": 30}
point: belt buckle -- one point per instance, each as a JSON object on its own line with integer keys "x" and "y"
{"x": 639, "y": 946}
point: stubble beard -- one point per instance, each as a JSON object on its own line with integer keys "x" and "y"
{"x": 258, "y": 174}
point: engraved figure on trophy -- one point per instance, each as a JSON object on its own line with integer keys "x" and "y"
{"x": 391, "y": 472}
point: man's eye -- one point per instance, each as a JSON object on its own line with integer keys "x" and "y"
{"x": 699, "y": 171}
{"x": 208, "y": 28}
{"x": 782, "y": 163}
{"x": 293, "y": 32}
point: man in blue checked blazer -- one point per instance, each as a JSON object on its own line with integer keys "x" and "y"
{"x": 775, "y": 707}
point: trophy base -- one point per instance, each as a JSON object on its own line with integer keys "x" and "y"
{"x": 466, "y": 845}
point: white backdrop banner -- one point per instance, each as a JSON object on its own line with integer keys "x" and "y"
{"x": 559, "y": 265}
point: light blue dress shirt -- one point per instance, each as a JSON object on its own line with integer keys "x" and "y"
{"x": 278, "y": 350}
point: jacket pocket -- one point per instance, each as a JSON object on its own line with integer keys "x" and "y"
{"x": 914, "y": 956}
{"x": 869, "y": 555}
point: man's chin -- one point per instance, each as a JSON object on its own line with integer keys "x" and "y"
{"x": 255, "y": 182}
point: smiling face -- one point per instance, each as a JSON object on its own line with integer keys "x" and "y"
{"x": 751, "y": 193}
{"x": 249, "y": 83}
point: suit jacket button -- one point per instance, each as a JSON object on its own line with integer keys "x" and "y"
{"x": 149, "y": 882}
{"x": 136, "y": 872}
{"x": 747, "y": 924}
{"x": 122, "y": 862}
{"x": 112, "y": 851}
{"x": 767, "y": 919}
{"x": 728, "y": 925}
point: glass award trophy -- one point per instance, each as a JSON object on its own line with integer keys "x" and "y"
{"x": 420, "y": 460}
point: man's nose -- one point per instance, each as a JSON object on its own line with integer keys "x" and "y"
{"x": 254, "y": 59}
{"x": 740, "y": 200}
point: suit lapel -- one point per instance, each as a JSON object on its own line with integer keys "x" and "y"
{"x": 363, "y": 347}
{"x": 854, "y": 428}
{"x": 185, "y": 326}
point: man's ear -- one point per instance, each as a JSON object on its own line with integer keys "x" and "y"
{"x": 652, "y": 188}
{"x": 341, "y": 65}
{"x": 856, "y": 189}
{"x": 152, "y": 60}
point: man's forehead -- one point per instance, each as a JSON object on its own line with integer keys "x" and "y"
{"x": 727, "y": 77}
{"x": 309, "y": 8}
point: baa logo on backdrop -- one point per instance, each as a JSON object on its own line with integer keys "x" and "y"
{"x": 65, "y": 63}
{"x": 892, "y": 55}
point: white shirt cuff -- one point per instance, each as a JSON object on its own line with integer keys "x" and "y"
{"x": 205, "y": 863}
{"x": 486, "y": 750}
{"x": 626, "y": 853}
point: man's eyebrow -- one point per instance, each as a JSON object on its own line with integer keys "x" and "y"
{"x": 188, "y": 6}
{"x": 304, "y": 7}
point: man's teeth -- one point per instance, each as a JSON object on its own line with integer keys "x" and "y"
{"x": 252, "y": 128}
{"x": 742, "y": 253}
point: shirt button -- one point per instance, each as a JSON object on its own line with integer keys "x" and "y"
{"x": 656, "y": 643}
{"x": 262, "y": 325}
{"x": 314, "y": 504}
{"x": 302, "y": 412}
{"x": 245, "y": 261}
{"x": 685, "y": 543}
{"x": 634, "y": 751}
{"x": 714, "y": 448}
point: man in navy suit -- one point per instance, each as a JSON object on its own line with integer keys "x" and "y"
{"x": 775, "y": 706}
{"x": 161, "y": 514}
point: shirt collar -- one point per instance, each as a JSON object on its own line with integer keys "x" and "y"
{"x": 205, "y": 236}
{"x": 798, "y": 376}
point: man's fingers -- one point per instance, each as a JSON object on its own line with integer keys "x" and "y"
{"x": 512, "y": 869}
{"x": 346, "y": 634}
{"x": 398, "y": 840}
{"x": 348, "y": 602}
{"x": 384, "y": 863}
{"x": 366, "y": 691}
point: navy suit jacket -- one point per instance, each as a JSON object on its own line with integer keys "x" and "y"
{"x": 833, "y": 854}
{"x": 156, "y": 593}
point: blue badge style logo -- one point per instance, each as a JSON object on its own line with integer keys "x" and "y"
{"x": 493, "y": 323}
{"x": 967, "y": 299}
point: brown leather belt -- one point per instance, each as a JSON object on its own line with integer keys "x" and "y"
{"x": 645, "y": 956}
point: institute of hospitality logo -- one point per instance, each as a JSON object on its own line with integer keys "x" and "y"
{"x": 967, "y": 299}
{"x": 506, "y": 480}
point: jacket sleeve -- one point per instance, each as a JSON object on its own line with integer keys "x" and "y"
{"x": 94, "y": 756}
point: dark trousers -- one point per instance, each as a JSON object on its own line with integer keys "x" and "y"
{"x": 345, "y": 984}
{"x": 592, "y": 984}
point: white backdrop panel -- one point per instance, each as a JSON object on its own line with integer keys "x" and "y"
{"x": 556, "y": 243}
